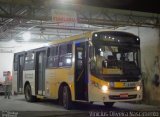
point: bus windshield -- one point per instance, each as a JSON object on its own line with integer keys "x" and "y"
{"x": 116, "y": 58}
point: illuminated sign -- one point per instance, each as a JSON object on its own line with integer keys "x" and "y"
{"x": 59, "y": 15}
{"x": 108, "y": 39}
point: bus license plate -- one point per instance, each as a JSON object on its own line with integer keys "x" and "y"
{"x": 125, "y": 95}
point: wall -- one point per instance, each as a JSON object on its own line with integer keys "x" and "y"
{"x": 6, "y": 60}
{"x": 150, "y": 61}
{"x": 151, "y": 65}
{"x": 6, "y": 54}
{"x": 150, "y": 42}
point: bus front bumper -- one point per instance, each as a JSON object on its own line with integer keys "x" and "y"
{"x": 117, "y": 96}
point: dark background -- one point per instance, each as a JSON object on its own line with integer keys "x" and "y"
{"x": 136, "y": 5}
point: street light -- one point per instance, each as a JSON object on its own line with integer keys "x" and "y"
{"x": 26, "y": 36}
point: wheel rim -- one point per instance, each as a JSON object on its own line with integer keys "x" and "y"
{"x": 28, "y": 93}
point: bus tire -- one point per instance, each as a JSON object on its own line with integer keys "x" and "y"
{"x": 28, "y": 94}
{"x": 60, "y": 96}
{"x": 108, "y": 104}
{"x": 67, "y": 103}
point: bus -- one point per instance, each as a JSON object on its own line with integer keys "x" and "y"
{"x": 99, "y": 66}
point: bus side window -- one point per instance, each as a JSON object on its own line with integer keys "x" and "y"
{"x": 29, "y": 61}
{"x": 65, "y": 55}
{"x": 53, "y": 57}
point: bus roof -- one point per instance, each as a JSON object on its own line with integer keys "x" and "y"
{"x": 115, "y": 31}
{"x": 84, "y": 35}
{"x": 71, "y": 38}
{"x": 74, "y": 38}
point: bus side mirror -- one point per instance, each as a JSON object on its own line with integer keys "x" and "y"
{"x": 91, "y": 51}
{"x": 105, "y": 63}
{"x": 91, "y": 60}
{"x": 92, "y": 63}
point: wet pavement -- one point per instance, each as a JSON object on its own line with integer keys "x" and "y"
{"x": 49, "y": 108}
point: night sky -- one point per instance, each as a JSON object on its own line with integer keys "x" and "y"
{"x": 136, "y": 5}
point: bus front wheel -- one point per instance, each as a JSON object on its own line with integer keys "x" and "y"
{"x": 28, "y": 94}
{"x": 108, "y": 104}
{"x": 67, "y": 103}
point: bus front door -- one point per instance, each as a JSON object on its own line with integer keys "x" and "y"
{"x": 40, "y": 73}
{"x": 20, "y": 73}
{"x": 81, "y": 77}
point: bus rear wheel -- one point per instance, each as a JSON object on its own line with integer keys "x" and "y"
{"x": 28, "y": 94}
{"x": 67, "y": 103}
{"x": 108, "y": 104}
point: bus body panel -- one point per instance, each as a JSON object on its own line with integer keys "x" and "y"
{"x": 54, "y": 78}
{"x": 29, "y": 76}
{"x": 66, "y": 75}
{"x": 50, "y": 83}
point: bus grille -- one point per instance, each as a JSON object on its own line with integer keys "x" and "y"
{"x": 117, "y": 97}
{"x": 129, "y": 88}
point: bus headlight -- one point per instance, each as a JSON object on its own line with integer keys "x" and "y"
{"x": 138, "y": 88}
{"x": 139, "y": 85}
{"x": 104, "y": 89}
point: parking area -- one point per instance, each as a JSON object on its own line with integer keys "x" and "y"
{"x": 50, "y": 107}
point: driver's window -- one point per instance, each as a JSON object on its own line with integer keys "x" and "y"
{"x": 101, "y": 53}
{"x": 107, "y": 53}
{"x": 118, "y": 56}
{"x": 79, "y": 60}
{"x": 130, "y": 56}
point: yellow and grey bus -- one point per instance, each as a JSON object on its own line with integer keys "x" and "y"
{"x": 100, "y": 66}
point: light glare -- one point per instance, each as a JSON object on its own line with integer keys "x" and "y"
{"x": 26, "y": 36}
{"x": 46, "y": 44}
{"x": 138, "y": 88}
{"x": 68, "y": 61}
{"x": 104, "y": 88}
{"x": 95, "y": 35}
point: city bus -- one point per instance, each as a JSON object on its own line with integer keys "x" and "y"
{"x": 100, "y": 66}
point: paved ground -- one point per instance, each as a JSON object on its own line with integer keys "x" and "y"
{"x": 50, "y": 108}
